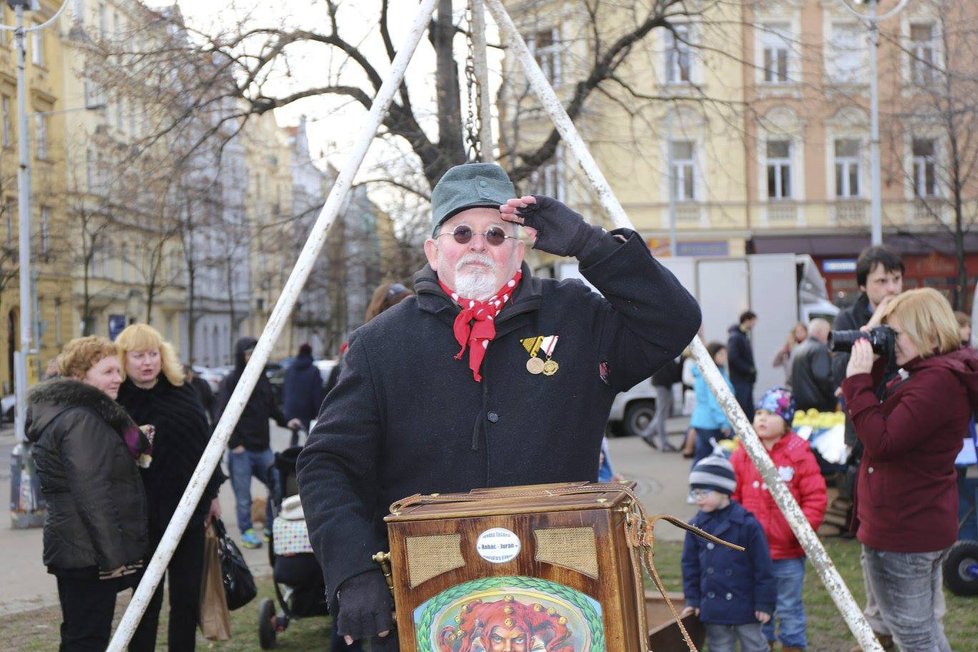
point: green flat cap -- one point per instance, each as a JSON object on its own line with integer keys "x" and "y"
{"x": 469, "y": 185}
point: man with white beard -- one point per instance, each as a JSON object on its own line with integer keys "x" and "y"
{"x": 488, "y": 377}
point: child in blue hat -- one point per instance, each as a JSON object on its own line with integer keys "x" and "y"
{"x": 732, "y": 592}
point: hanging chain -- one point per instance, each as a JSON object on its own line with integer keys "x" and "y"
{"x": 473, "y": 144}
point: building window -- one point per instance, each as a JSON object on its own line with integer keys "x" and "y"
{"x": 94, "y": 98}
{"x": 847, "y": 48}
{"x": 5, "y": 108}
{"x": 779, "y": 169}
{"x": 41, "y": 135}
{"x": 103, "y": 20}
{"x": 10, "y": 214}
{"x": 924, "y": 168}
{"x": 682, "y": 175}
{"x": 545, "y": 46}
{"x": 774, "y": 52}
{"x": 90, "y": 173}
{"x": 549, "y": 180}
{"x": 37, "y": 47}
{"x": 679, "y": 55}
{"x": 922, "y": 47}
{"x": 847, "y": 167}
{"x": 44, "y": 232}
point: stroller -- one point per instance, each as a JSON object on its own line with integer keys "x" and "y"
{"x": 298, "y": 580}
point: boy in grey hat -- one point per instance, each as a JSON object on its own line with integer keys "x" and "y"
{"x": 487, "y": 377}
{"x": 732, "y": 592}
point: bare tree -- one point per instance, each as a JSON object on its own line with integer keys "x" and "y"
{"x": 941, "y": 116}
{"x": 249, "y": 63}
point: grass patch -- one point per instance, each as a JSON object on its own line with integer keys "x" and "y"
{"x": 827, "y": 631}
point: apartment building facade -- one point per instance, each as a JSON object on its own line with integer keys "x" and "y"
{"x": 747, "y": 126}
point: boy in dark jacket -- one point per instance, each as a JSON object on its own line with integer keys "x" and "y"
{"x": 732, "y": 592}
{"x": 251, "y": 454}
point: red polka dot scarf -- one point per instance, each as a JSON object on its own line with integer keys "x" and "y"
{"x": 475, "y": 325}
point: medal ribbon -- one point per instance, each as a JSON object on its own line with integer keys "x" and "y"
{"x": 476, "y": 336}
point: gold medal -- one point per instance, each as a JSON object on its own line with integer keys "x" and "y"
{"x": 550, "y": 367}
{"x": 535, "y": 365}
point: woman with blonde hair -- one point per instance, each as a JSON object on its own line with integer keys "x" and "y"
{"x": 906, "y": 498}
{"x": 86, "y": 448}
{"x": 155, "y": 394}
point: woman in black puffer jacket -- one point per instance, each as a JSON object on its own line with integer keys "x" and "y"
{"x": 86, "y": 449}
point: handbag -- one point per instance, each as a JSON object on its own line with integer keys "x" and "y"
{"x": 239, "y": 585}
{"x": 215, "y": 618}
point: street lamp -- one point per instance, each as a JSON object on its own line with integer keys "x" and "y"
{"x": 24, "y": 243}
{"x": 872, "y": 19}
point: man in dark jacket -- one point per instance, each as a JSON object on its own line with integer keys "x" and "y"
{"x": 740, "y": 361}
{"x": 251, "y": 454}
{"x": 302, "y": 389}
{"x": 524, "y": 400}
{"x": 811, "y": 370}
{"x": 203, "y": 390}
{"x": 879, "y": 275}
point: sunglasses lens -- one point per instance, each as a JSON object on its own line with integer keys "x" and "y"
{"x": 462, "y": 234}
{"x": 495, "y": 236}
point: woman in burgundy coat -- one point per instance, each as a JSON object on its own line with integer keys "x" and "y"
{"x": 907, "y": 497}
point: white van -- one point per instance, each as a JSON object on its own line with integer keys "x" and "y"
{"x": 632, "y": 411}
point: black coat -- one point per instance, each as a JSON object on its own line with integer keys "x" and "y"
{"x": 252, "y": 429}
{"x": 811, "y": 377}
{"x": 852, "y": 318}
{"x": 407, "y": 417}
{"x": 740, "y": 357}
{"x": 302, "y": 391}
{"x": 96, "y": 504}
{"x": 182, "y": 435}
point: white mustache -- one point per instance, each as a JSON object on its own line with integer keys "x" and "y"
{"x": 476, "y": 258}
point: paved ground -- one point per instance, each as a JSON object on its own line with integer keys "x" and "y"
{"x": 25, "y": 585}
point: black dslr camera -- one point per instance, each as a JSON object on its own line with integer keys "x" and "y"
{"x": 882, "y": 339}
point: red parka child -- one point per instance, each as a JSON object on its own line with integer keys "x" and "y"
{"x": 799, "y": 470}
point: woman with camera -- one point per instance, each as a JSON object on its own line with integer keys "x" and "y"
{"x": 907, "y": 499}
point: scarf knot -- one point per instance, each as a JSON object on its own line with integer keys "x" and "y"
{"x": 475, "y": 324}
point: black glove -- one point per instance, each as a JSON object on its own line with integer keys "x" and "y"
{"x": 365, "y": 606}
{"x": 385, "y": 644}
{"x": 560, "y": 230}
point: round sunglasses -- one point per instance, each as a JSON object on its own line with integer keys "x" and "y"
{"x": 494, "y": 235}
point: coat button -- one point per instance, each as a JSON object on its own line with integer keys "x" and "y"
{"x": 493, "y": 417}
{"x": 482, "y": 183}
{"x": 756, "y": 484}
{"x": 710, "y": 546}
{"x": 729, "y": 596}
{"x": 728, "y": 572}
{"x": 709, "y": 571}
{"x": 869, "y": 470}
{"x": 711, "y": 594}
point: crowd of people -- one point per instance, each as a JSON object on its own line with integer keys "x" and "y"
{"x": 494, "y": 350}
